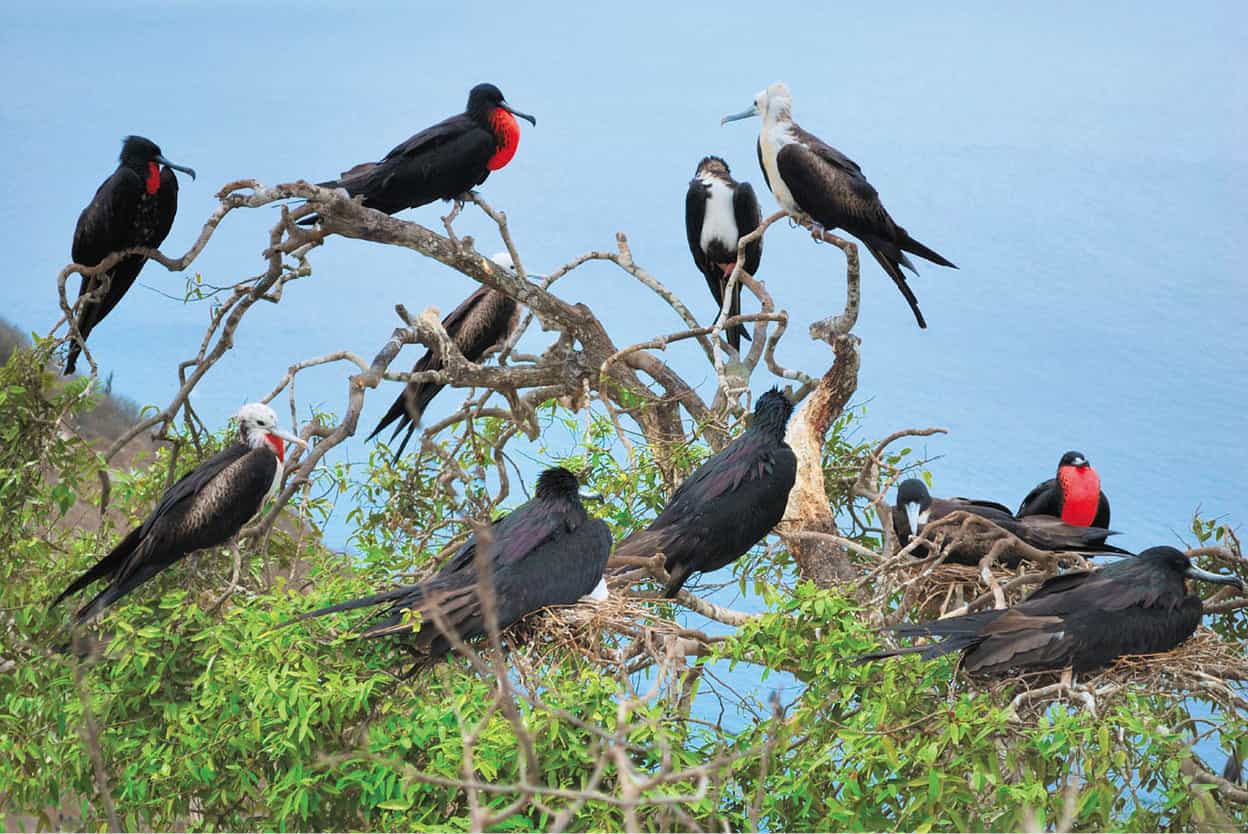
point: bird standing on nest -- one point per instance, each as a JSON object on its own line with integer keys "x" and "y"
{"x": 548, "y": 551}
{"x": 1081, "y": 620}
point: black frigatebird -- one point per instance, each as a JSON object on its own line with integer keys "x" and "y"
{"x": 813, "y": 180}
{"x": 205, "y": 508}
{"x": 132, "y": 208}
{"x": 441, "y": 162}
{"x": 916, "y": 507}
{"x": 1081, "y": 619}
{"x": 728, "y": 504}
{"x": 480, "y": 324}
{"x": 548, "y": 551}
{"x": 1074, "y": 495}
{"x": 718, "y": 212}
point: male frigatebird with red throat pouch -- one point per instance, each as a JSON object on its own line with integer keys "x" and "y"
{"x": 813, "y": 181}
{"x": 441, "y": 162}
{"x": 1074, "y": 495}
{"x": 719, "y": 211}
{"x": 133, "y": 208}
{"x": 205, "y": 508}
{"x": 916, "y": 508}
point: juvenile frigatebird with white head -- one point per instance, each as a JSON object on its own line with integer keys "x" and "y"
{"x": 816, "y": 183}
{"x": 719, "y": 211}
{"x": 444, "y": 161}
{"x": 483, "y": 322}
{"x": 133, "y": 208}
{"x": 205, "y": 508}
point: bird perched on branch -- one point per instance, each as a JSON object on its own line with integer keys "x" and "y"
{"x": 1082, "y": 619}
{"x": 205, "y": 508}
{"x": 1074, "y": 495}
{"x": 482, "y": 322}
{"x": 814, "y": 181}
{"x": 728, "y": 504}
{"x": 719, "y": 211}
{"x": 916, "y": 508}
{"x": 441, "y": 162}
{"x": 548, "y": 551}
{"x": 133, "y": 208}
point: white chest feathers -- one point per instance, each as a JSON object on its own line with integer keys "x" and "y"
{"x": 771, "y": 139}
{"x": 719, "y": 221}
{"x": 277, "y": 477}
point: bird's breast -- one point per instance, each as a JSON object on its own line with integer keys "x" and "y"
{"x": 770, "y": 140}
{"x": 719, "y": 222}
{"x": 1081, "y": 494}
{"x": 506, "y": 136}
{"x": 152, "y": 183}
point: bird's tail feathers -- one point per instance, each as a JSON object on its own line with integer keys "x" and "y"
{"x": 957, "y": 633}
{"x": 105, "y": 567}
{"x": 890, "y": 265}
{"x": 364, "y": 602}
{"x": 912, "y": 246}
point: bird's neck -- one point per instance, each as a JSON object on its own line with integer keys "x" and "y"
{"x": 1081, "y": 494}
{"x": 152, "y": 181}
{"x": 263, "y": 439}
{"x": 506, "y": 137}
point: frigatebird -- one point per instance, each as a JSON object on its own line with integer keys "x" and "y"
{"x": 916, "y": 507}
{"x": 1081, "y": 619}
{"x": 728, "y": 504}
{"x": 718, "y": 212}
{"x": 205, "y": 508}
{"x": 1074, "y": 495}
{"x": 548, "y": 551}
{"x": 132, "y": 208}
{"x": 444, "y": 161}
{"x": 481, "y": 323}
{"x": 814, "y": 181}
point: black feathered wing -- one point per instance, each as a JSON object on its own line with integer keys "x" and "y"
{"x": 203, "y": 509}
{"x": 695, "y": 214}
{"x": 832, "y": 190}
{"x": 106, "y": 226}
{"x": 480, "y": 323}
{"x": 720, "y": 511}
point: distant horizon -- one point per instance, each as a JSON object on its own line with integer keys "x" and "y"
{"x": 1082, "y": 166}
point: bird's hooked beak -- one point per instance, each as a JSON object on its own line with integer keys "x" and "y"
{"x": 288, "y": 436}
{"x": 749, "y": 112}
{"x": 1194, "y": 572}
{"x": 912, "y": 515}
{"x": 518, "y": 114}
{"x": 1079, "y": 462}
{"x": 188, "y": 171}
{"x": 590, "y": 496}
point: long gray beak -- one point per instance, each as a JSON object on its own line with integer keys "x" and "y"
{"x": 285, "y": 435}
{"x": 744, "y": 114}
{"x": 590, "y": 496}
{"x": 518, "y": 114}
{"x": 1216, "y": 578}
{"x": 912, "y": 515}
{"x": 188, "y": 171}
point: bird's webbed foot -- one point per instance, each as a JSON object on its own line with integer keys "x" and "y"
{"x": 816, "y": 231}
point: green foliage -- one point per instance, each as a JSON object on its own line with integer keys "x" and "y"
{"x": 213, "y": 717}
